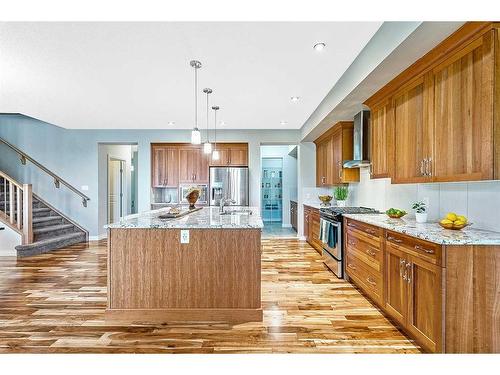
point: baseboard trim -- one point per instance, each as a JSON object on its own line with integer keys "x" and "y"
{"x": 99, "y": 237}
{"x": 185, "y": 315}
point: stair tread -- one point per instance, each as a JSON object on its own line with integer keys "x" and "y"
{"x": 51, "y": 228}
{"x": 52, "y": 240}
{"x": 42, "y": 209}
{"x": 43, "y": 219}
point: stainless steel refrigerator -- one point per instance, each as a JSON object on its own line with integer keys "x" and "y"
{"x": 229, "y": 183}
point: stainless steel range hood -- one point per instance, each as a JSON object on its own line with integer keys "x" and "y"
{"x": 361, "y": 157}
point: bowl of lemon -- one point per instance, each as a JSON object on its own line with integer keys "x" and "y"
{"x": 454, "y": 221}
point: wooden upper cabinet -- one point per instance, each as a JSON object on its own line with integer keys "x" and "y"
{"x": 463, "y": 113}
{"x": 187, "y": 164}
{"x": 165, "y": 166}
{"x": 382, "y": 140}
{"x": 413, "y": 132}
{"x": 231, "y": 154}
{"x": 333, "y": 148}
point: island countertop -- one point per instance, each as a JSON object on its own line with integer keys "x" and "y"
{"x": 431, "y": 232}
{"x": 206, "y": 218}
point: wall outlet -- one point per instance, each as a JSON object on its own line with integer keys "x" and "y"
{"x": 184, "y": 236}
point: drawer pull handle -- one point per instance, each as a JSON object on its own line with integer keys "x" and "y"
{"x": 371, "y": 231}
{"x": 370, "y": 281}
{"x": 390, "y": 238}
{"x": 351, "y": 225}
{"x": 401, "y": 265}
{"x": 351, "y": 266}
{"x": 417, "y": 247}
{"x": 371, "y": 252}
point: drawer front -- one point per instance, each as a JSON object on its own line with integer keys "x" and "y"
{"x": 365, "y": 277}
{"x": 365, "y": 251}
{"x": 423, "y": 249}
{"x": 371, "y": 231}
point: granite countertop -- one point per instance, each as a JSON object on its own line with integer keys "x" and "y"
{"x": 431, "y": 232}
{"x": 206, "y": 218}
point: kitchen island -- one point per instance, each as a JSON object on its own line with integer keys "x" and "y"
{"x": 204, "y": 266}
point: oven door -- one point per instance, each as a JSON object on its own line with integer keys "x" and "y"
{"x": 333, "y": 256}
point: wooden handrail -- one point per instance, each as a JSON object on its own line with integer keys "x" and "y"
{"x": 57, "y": 180}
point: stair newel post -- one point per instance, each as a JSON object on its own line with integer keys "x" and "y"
{"x": 27, "y": 214}
{"x": 19, "y": 208}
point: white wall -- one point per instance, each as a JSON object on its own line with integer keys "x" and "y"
{"x": 289, "y": 175}
{"x": 8, "y": 241}
{"x": 479, "y": 201}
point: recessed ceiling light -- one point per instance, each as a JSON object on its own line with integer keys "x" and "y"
{"x": 295, "y": 98}
{"x": 319, "y": 46}
{"x": 171, "y": 123}
{"x": 283, "y": 122}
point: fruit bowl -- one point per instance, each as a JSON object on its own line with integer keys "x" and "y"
{"x": 453, "y": 226}
{"x": 325, "y": 199}
{"x": 395, "y": 213}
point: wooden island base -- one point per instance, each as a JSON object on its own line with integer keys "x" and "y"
{"x": 214, "y": 277}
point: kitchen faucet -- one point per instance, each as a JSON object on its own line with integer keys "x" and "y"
{"x": 223, "y": 202}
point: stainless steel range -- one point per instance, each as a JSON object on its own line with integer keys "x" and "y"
{"x": 331, "y": 235}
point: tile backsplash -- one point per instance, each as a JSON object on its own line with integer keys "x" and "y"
{"x": 479, "y": 201}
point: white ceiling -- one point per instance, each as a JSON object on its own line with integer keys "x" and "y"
{"x": 137, "y": 75}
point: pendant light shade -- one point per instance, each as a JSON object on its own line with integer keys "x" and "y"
{"x": 195, "y": 133}
{"x": 207, "y": 146}
{"x": 195, "y": 136}
{"x": 215, "y": 152}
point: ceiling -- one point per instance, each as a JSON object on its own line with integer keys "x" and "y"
{"x": 137, "y": 75}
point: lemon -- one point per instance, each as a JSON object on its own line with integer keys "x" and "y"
{"x": 459, "y": 223}
{"x": 446, "y": 222}
{"x": 462, "y": 218}
{"x": 451, "y": 216}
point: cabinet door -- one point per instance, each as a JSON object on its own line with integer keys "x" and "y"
{"x": 425, "y": 301}
{"x": 321, "y": 164}
{"x": 306, "y": 223}
{"x": 314, "y": 231}
{"x": 382, "y": 133}
{"x": 413, "y": 133}
{"x": 201, "y": 161}
{"x": 463, "y": 114}
{"x": 158, "y": 168}
{"x": 238, "y": 156}
{"x": 336, "y": 159}
{"x": 187, "y": 162}
{"x": 223, "y": 157}
{"x": 172, "y": 166}
{"x": 396, "y": 299}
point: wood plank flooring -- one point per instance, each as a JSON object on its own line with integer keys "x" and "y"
{"x": 54, "y": 303}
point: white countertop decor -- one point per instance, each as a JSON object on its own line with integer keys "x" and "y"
{"x": 431, "y": 232}
{"x": 206, "y": 218}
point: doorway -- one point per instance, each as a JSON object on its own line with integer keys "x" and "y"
{"x": 278, "y": 190}
{"x": 116, "y": 168}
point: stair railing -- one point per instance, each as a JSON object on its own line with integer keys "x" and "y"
{"x": 57, "y": 180}
{"x": 18, "y": 213}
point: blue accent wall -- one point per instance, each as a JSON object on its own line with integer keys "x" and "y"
{"x": 72, "y": 154}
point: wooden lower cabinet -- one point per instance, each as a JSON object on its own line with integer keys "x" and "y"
{"x": 293, "y": 214}
{"x": 311, "y": 228}
{"x": 445, "y": 297}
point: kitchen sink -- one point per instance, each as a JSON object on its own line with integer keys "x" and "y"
{"x": 237, "y": 212}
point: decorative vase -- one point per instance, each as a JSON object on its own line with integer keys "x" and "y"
{"x": 341, "y": 203}
{"x": 421, "y": 217}
{"x": 192, "y": 197}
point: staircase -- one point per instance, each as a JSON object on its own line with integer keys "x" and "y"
{"x": 42, "y": 227}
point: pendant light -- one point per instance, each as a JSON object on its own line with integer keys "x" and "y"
{"x": 207, "y": 146}
{"x": 195, "y": 134}
{"x": 215, "y": 153}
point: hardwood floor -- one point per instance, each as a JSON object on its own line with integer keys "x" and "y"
{"x": 55, "y": 303}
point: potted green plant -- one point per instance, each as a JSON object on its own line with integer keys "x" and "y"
{"x": 340, "y": 193}
{"x": 420, "y": 212}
